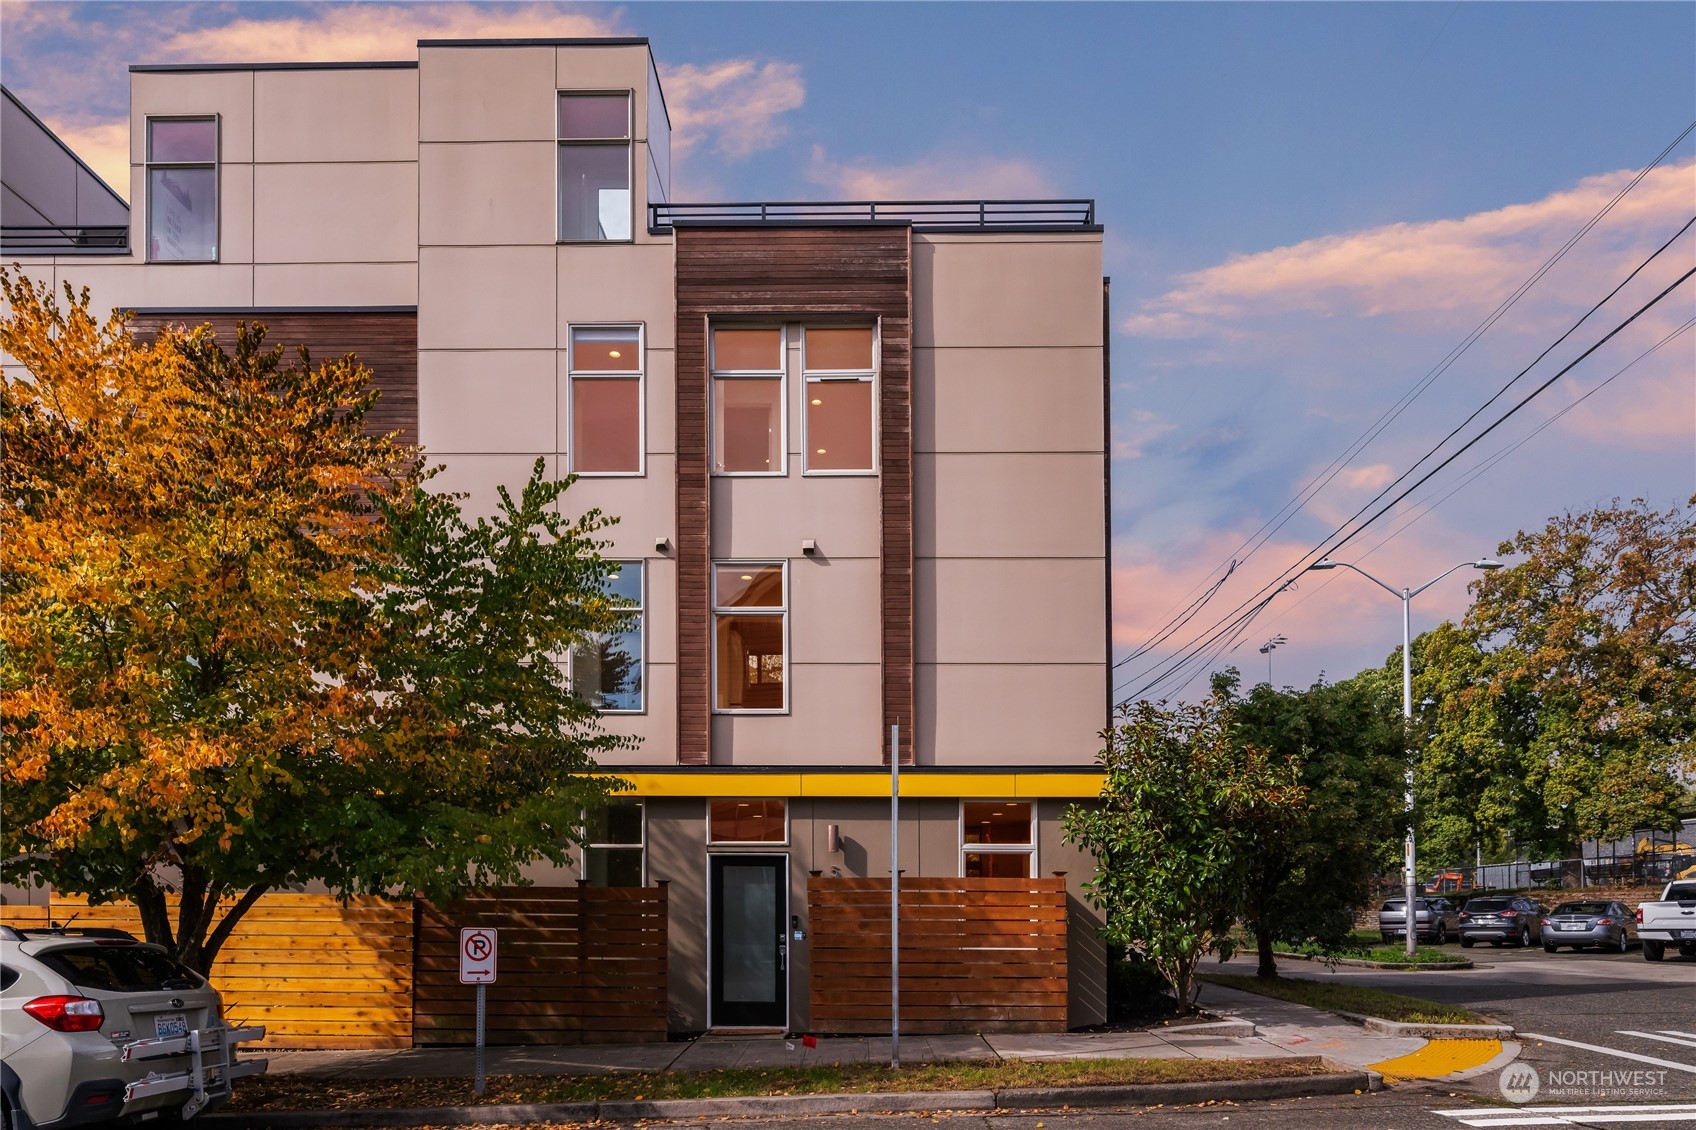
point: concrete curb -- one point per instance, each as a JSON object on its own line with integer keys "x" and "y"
{"x": 1343, "y": 1082}
{"x": 1432, "y": 1031}
{"x": 1362, "y": 963}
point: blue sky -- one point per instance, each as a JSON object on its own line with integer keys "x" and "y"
{"x": 1307, "y": 206}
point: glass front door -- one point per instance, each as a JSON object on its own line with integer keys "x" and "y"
{"x": 749, "y": 944}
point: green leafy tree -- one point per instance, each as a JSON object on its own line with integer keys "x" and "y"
{"x": 245, "y": 647}
{"x": 1312, "y": 869}
{"x": 1174, "y": 829}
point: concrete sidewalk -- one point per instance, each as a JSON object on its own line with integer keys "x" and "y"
{"x": 1278, "y": 1029}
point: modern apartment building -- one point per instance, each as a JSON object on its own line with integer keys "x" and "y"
{"x": 857, "y": 451}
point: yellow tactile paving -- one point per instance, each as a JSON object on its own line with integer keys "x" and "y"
{"x": 1437, "y": 1058}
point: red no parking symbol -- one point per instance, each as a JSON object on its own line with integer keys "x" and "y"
{"x": 477, "y": 956}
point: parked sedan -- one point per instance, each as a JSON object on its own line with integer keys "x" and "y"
{"x": 1580, "y": 924}
{"x": 1435, "y": 919}
{"x": 1500, "y": 918}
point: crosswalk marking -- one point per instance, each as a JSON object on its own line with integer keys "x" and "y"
{"x": 1663, "y": 1036}
{"x": 1668, "y": 1063}
{"x": 1571, "y": 1115}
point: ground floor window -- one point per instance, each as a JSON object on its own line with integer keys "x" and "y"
{"x": 997, "y": 840}
{"x": 613, "y": 844}
{"x": 747, "y": 822}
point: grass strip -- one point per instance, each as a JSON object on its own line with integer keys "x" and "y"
{"x": 1335, "y": 997}
{"x": 295, "y": 1092}
{"x": 1385, "y": 955}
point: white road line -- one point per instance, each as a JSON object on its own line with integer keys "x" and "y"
{"x": 1667, "y": 1039}
{"x": 1571, "y": 1115}
{"x": 1673, "y": 1064}
{"x": 1675, "y": 1032}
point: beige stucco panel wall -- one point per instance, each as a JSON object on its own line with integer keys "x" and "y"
{"x": 480, "y": 477}
{"x": 366, "y": 114}
{"x": 617, "y": 282}
{"x": 335, "y": 284}
{"x": 1009, "y": 399}
{"x": 163, "y": 284}
{"x": 229, "y": 94}
{"x": 657, "y": 728}
{"x": 972, "y": 714}
{"x": 835, "y": 719}
{"x": 677, "y": 835}
{"x": 486, "y": 194}
{"x": 486, "y": 94}
{"x": 832, "y": 610}
{"x": 768, "y": 517}
{"x": 645, "y": 506}
{"x": 485, "y": 298}
{"x": 336, "y": 213}
{"x": 1007, "y": 610}
{"x": 1016, "y": 505}
{"x": 497, "y": 401}
{"x": 1012, "y": 290}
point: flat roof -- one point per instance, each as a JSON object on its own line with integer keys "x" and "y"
{"x": 368, "y": 65}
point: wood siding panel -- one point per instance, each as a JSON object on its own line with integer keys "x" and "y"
{"x": 977, "y": 955}
{"x": 386, "y": 342}
{"x": 792, "y": 272}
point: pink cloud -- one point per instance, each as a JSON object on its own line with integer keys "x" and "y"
{"x": 735, "y": 104}
{"x": 939, "y": 176}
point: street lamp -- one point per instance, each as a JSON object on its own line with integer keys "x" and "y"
{"x": 1266, "y": 649}
{"x": 1411, "y": 919}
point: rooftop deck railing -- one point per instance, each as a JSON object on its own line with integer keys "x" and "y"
{"x": 48, "y": 239}
{"x": 924, "y": 215}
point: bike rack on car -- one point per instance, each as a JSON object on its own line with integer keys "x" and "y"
{"x": 212, "y": 1064}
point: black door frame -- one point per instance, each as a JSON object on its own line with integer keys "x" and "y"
{"x": 722, "y": 1014}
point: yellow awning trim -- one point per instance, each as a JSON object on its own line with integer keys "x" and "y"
{"x": 791, "y": 783}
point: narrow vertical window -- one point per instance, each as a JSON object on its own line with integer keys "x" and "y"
{"x": 840, "y": 434}
{"x": 606, "y": 400}
{"x": 747, "y": 394}
{"x": 613, "y": 844}
{"x": 606, "y": 667}
{"x": 594, "y": 167}
{"x": 182, "y": 190}
{"x": 750, "y": 637}
{"x": 996, "y": 840}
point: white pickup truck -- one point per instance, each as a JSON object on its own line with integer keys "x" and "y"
{"x": 1669, "y": 922}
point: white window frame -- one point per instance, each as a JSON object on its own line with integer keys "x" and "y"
{"x": 1029, "y": 849}
{"x": 641, "y": 610}
{"x": 640, "y": 376}
{"x": 841, "y": 376}
{"x": 780, "y": 375}
{"x": 781, "y": 613}
{"x": 640, "y": 846}
{"x": 216, "y": 165}
{"x": 788, "y": 814}
{"x": 629, "y": 142}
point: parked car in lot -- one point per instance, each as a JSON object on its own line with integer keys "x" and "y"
{"x": 96, "y": 1026}
{"x": 1580, "y": 924}
{"x": 1500, "y": 918}
{"x": 1669, "y": 920}
{"x": 1434, "y": 919}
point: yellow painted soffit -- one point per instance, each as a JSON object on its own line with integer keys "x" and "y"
{"x": 790, "y": 783}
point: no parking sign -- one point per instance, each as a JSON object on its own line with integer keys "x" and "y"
{"x": 477, "y": 956}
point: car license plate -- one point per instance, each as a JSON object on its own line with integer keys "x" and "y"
{"x": 1683, "y": 934}
{"x": 169, "y": 1025}
{"x": 1571, "y": 926}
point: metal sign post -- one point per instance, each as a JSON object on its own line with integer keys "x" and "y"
{"x": 477, "y": 967}
{"x": 895, "y": 896}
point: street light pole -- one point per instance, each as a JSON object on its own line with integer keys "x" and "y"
{"x": 1411, "y": 883}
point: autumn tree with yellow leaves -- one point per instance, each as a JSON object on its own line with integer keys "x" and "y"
{"x": 245, "y": 647}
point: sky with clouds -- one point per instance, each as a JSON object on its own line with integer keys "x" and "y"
{"x": 1312, "y": 211}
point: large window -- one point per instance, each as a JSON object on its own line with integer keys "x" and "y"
{"x": 996, "y": 840}
{"x": 747, "y": 395}
{"x": 747, "y": 822}
{"x": 606, "y": 668}
{"x": 182, "y": 190}
{"x": 594, "y": 166}
{"x": 606, "y": 400}
{"x": 750, "y": 669}
{"x": 840, "y": 370}
{"x": 613, "y": 841}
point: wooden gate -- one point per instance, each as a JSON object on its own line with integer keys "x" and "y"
{"x": 977, "y": 955}
{"x": 576, "y": 965}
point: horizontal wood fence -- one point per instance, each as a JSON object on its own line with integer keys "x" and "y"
{"x": 575, "y": 965}
{"x": 26, "y": 916}
{"x": 316, "y": 973}
{"x": 977, "y": 955}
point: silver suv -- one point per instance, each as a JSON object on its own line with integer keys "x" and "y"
{"x": 96, "y": 1026}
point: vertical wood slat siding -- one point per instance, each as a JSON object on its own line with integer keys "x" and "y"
{"x": 792, "y": 272}
{"x": 574, "y": 965}
{"x": 316, "y": 973}
{"x": 977, "y": 955}
{"x": 386, "y": 342}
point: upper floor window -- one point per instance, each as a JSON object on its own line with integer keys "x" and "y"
{"x": 606, "y": 400}
{"x": 749, "y": 637}
{"x": 606, "y": 667}
{"x": 182, "y": 190}
{"x": 594, "y": 166}
{"x": 747, "y": 398}
{"x": 839, "y": 428}
{"x": 996, "y": 840}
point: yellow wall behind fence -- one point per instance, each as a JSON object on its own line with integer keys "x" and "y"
{"x": 316, "y": 973}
